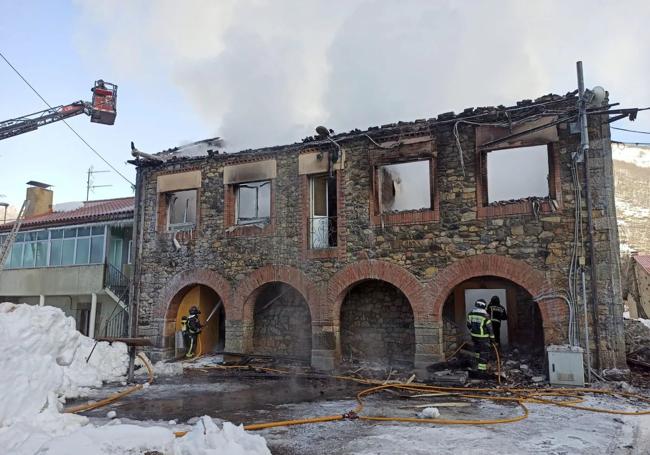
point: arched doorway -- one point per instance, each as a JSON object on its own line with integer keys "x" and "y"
{"x": 212, "y": 337}
{"x": 281, "y": 322}
{"x": 523, "y": 329}
{"x": 377, "y": 325}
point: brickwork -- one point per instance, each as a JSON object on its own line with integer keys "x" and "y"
{"x": 423, "y": 253}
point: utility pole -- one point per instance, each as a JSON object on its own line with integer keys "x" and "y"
{"x": 90, "y": 181}
{"x": 584, "y": 157}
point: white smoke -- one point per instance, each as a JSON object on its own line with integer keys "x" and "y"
{"x": 266, "y": 72}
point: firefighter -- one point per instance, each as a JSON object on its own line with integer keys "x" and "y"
{"x": 193, "y": 329}
{"x": 480, "y": 327}
{"x": 497, "y": 314}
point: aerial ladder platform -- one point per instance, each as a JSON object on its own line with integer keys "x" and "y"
{"x": 102, "y": 109}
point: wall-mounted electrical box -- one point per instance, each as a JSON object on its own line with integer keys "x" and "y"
{"x": 565, "y": 365}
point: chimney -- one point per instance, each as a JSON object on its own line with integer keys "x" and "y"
{"x": 40, "y": 199}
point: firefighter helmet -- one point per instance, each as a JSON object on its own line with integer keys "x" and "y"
{"x": 194, "y": 310}
{"x": 480, "y": 303}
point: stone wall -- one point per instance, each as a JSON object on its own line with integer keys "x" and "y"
{"x": 282, "y": 325}
{"x": 377, "y": 325}
{"x": 424, "y": 253}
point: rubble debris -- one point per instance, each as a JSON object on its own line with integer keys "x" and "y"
{"x": 616, "y": 374}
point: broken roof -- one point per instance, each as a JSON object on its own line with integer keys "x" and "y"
{"x": 91, "y": 211}
{"x": 521, "y": 110}
{"x": 194, "y": 149}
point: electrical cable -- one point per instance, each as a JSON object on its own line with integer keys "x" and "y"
{"x": 629, "y": 131}
{"x": 66, "y": 123}
{"x": 630, "y": 143}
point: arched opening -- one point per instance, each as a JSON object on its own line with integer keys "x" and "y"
{"x": 213, "y": 316}
{"x": 377, "y": 325}
{"x": 281, "y": 322}
{"x": 523, "y": 330}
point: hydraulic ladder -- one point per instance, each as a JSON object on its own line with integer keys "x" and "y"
{"x": 5, "y": 247}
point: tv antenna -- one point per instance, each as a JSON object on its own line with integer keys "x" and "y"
{"x": 91, "y": 180}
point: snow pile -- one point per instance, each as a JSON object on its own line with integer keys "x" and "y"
{"x": 160, "y": 368}
{"x": 66, "y": 434}
{"x": 206, "y": 438}
{"x": 43, "y": 354}
{"x": 44, "y": 359}
{"x": 108, "y": 363}
{"x": 429, "y": 413}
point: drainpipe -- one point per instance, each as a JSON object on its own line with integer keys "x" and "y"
{"x": 584, "y": 146}
{"x": 584, "y": 303}
{"x": 134, "y": 290}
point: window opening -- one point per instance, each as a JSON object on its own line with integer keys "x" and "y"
{"x": 181, "y": 209}
{"x": 323, "y": 211}
{"x": 405, "y": 186}
{"x": 253, "y": 202}
{"x": 517, "y": 173}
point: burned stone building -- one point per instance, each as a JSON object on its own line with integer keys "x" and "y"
{"x": 371, "y": 245}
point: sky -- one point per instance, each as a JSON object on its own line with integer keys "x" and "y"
{"x": 260, "y": 73}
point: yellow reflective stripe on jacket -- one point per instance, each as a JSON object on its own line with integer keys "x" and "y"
{"x": 479, "y": 323}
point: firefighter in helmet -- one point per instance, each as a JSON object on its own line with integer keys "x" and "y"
{"x": 497, "y": 314}
{"x": 480, "y": 327}
{"x": 193, "y": 329}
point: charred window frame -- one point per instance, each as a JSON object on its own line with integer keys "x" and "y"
{"x": 427, "y": 214}
{"x": 253, "y": 202}
{"x": 181, "y": 209}
{"x": 524, "y": 205}
{"x": 400, "y": 186}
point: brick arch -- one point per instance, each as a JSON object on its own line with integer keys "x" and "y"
{"x": 416, "y": 293}
{"x": 519, "y": 272}
{"x": 173, "y": 294}
{"x": 249, "y": 287}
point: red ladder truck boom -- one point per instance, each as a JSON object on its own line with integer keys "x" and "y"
{"x": 102, "y": 110}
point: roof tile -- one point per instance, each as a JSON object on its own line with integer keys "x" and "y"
{"x": 106, "y": 209}
{"x": 644, "y": 261}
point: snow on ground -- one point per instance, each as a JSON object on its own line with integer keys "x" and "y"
{"x": 45, "y": 360}
{"x": 548, "y": 430}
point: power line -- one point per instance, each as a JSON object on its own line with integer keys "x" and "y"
{"x": 629, "y": 131}
{"x": 66, "y": 123}
{"x": 630, "y": 143}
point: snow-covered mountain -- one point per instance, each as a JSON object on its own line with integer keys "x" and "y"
{"x": 632, "y": 192}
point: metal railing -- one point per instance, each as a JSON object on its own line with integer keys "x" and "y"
{"x": 323, "y": 232}
{"x": 117, "y": 324}
{"x": 117, "y": 282}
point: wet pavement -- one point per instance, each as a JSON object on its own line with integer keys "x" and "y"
{"x": 241, "y": 398}
{"x": 249, "y": 397}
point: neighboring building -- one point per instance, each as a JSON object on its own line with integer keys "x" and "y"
{"x": 76, "y": 259}
{"x": 632, "y": 182}
{"x": 381, "y": 260}
{"x": 637, "y": 286}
